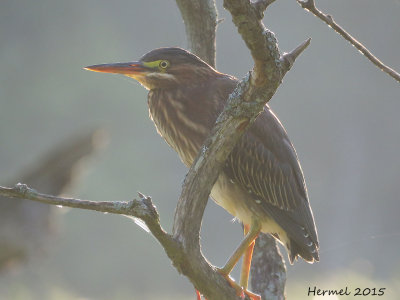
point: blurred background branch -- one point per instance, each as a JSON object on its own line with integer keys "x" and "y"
{"x": 26, "y": 227}
{"x": 200, "y": 19}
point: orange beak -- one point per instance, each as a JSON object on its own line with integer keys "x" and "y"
{"x": 130, "y": 68}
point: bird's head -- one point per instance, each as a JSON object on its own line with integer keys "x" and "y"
{"x": 162, "y": 68}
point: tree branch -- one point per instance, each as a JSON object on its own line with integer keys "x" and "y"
{"x": 145, "y": 211}
{"x": 200, "y": 23}
{"x": 142, "y": 209}
{"x": 132, "y": 208}
{"x": 242, "y": 108}
{"x": 260, "y": 41}
{"x": 310, "y": 6}
{"x": 268, "y": 274}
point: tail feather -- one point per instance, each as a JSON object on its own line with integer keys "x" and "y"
{"x": 309, "y": 252}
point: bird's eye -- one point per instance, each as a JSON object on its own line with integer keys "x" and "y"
{"x": 164, "y": 64}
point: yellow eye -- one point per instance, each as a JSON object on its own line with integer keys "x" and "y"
{"x": 164, "y": 64}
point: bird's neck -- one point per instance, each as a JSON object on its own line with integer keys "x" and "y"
{"x": 183, "y": 117}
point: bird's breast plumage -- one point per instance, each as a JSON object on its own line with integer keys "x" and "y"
{"x": 179, "y": 120}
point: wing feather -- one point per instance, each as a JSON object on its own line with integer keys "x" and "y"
{"x": 265, "y": 163}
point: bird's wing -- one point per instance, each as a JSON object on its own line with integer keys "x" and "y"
{"x": 265, "y": 163}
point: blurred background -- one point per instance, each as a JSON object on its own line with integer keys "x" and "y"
{"x": 340, "y": 111}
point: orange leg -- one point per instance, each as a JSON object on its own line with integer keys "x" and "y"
{"x": 246, "y": 264}
{"x": 246, "y": 246}
{"x": 198, "y": 295}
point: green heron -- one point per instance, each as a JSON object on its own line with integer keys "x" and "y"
{"x": 261, "y": 183}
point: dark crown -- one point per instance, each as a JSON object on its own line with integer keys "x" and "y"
{"x": 174, "y": 55}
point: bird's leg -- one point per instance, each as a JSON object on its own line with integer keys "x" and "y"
{"x": 246, "y": 242}
{"x": 246, "y": 264}
{"x": 232, "y": 261}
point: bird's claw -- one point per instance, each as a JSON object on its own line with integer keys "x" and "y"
{"x": 240, "y": 291}
{"x": 251, "y": 295}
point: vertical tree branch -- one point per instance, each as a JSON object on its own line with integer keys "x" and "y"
{"x": 268, "y": 271}
{"x": 259, "y": 40}
{"x": 200, "y": 18}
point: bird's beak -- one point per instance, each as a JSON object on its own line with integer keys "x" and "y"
{"x": 128, "y": 69}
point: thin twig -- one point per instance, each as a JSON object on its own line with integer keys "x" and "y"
{"x": 22, "y": 191}
{"x": 310, "y": 6}
{"x": 142, "y": 209}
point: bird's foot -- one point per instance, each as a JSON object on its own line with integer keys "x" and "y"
{"x": 251, "y": 295}
{"x": 240, "y": 291}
